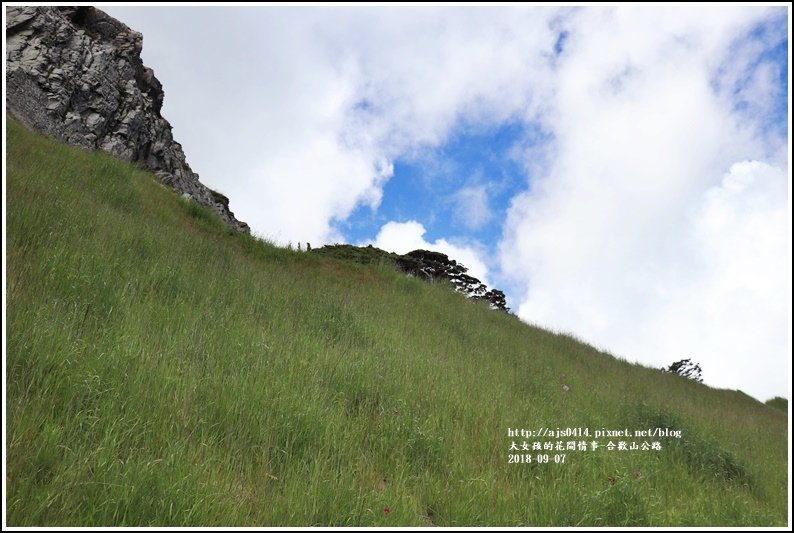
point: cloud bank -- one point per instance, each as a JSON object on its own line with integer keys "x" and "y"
{"x": 660, "y": 229}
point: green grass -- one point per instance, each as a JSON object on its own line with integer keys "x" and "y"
{"x": 778, "y": 403}
{"x": 164, "y": 370}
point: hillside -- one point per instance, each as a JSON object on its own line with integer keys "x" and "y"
{"x": 164, "y": 369}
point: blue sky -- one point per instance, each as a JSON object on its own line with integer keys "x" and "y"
{"x": 460, "y": 189}
{"x": 621, "y": 172}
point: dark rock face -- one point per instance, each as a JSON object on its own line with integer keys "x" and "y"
{"x": 75, "y": 73}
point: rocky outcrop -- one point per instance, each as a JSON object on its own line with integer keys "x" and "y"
{"x": 75, "y": 73}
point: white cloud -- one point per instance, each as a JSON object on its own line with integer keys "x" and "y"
{"x": 404, "y": 237}
{"x": 741, "y": 291}
{"x": 472, "y": 207}
{"x": 647, "y": 235}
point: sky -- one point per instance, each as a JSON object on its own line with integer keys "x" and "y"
{"x": 622, "y": 173}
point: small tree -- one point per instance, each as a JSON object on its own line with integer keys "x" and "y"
{"x": 497, "y": 300}
{"x": 778, "y": 402}
{"x": 686, "y": 368}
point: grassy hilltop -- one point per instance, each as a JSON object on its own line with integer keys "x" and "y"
{"x": 163, "y": 370}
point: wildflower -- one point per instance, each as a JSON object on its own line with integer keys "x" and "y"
{"x": 565, "y": 388}
{"x": 637, "y": 473}
{"x": 386, "y": 510}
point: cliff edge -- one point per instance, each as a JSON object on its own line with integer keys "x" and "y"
{"x": 75, "y": 73}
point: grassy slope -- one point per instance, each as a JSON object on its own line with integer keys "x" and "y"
{"x": 163, "y": 371}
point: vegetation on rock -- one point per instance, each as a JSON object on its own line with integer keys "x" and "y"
{"x": 687, "y": 369}
{"x": 422, "y": 264}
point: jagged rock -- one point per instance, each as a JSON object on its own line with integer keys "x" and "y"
{"x": 75, "y": 73}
